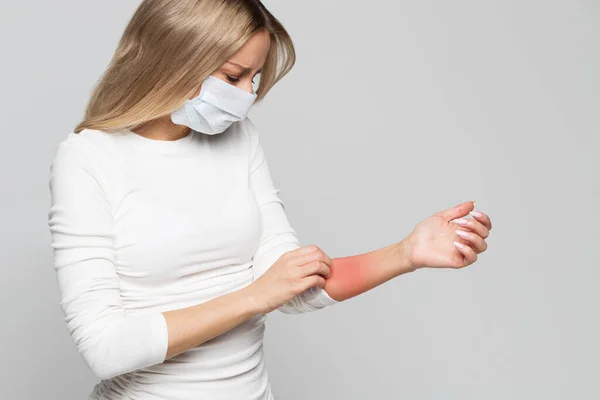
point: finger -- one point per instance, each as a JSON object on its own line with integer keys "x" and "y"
{"x": 303, "y": 250}
{"x": 314, "y": 255}
{"x": 316, "y": 267}
{"x": 312, "y": 281}
{"x": 325, "y": 257}
{"x": 457, "y": 211}
{"x": 473, "y": 240}
{"x": 467, "y": 252}
{"x": 474, "y": 226}
{"x": 319, "y": 267}
{"x": 483, "y": 218}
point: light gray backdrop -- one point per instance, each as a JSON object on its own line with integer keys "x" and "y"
{"x": 395, "y": 110}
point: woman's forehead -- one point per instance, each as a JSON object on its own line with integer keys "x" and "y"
{"x": 253, "y": 53}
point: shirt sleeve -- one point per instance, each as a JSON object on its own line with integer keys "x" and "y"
{"x": 278, "y": 237}
{"x": 110, "y": 340}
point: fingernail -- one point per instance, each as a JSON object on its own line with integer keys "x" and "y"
{"x": 475, "y": 213}
{"x": 461, "y": 221}
{"x": 459, "y": 245}
{"x": 462, "y": 233}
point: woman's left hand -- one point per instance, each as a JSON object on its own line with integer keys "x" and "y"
{"x": 448, "y": 240}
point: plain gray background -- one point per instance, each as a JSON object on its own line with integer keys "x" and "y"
{"x": 395, "y": 110}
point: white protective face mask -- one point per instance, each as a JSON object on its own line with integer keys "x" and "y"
{"x": 217, "y": 106}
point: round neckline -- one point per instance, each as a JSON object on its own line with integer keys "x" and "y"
{"x": 159, "y": 143}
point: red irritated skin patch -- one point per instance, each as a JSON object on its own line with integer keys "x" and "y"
{"x": 353, "y": 275}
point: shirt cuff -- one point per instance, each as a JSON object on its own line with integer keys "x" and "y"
{"x": 318, "y": 297}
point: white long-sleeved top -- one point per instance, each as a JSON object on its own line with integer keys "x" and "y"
{"x": 141, "y": 226}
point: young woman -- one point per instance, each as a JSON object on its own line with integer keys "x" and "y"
{"x": 171, "y": 243}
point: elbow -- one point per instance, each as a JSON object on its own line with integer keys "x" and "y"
{"x": 102, "y": 360}
{"x": 111, "y": 350}
{"x": 123, "y": 344}
{"x": 99, "y": 342}
{"x": 103, "y": 373}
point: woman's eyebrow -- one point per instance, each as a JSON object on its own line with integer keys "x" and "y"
{"x": 245, "y": 69}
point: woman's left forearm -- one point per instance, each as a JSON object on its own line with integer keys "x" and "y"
{"x": 353, "y": 275}
{"x": 446, "y": 239}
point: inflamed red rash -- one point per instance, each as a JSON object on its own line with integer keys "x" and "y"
{"x": 353, "y": 275}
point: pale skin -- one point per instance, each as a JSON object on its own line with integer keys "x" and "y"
{"x": 446, "y": 239}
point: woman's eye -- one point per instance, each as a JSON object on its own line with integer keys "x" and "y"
{"x": 233, "y": 79}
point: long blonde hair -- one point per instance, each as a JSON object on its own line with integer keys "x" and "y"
{"x": 169, "y": 47}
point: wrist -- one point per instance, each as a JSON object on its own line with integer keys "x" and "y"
{"x": 403, "y": 256}
{"x": 252, "y": 303}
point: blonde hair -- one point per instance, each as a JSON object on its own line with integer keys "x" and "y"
{"x": 169, "y": 47}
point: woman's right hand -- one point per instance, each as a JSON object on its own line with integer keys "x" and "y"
{"x": 293, "y": 273}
